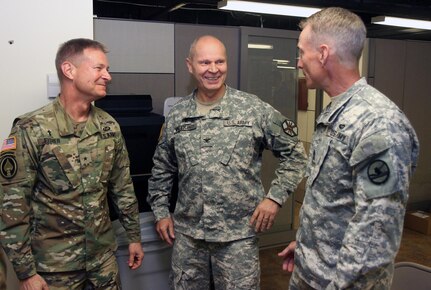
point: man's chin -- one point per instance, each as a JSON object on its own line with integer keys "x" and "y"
{"x": 99, "y": 96}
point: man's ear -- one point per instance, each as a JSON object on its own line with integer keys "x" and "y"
{"x": 324, "y": 53}
{"x": 68, "y": 69}
{"x": 189, "y": 65}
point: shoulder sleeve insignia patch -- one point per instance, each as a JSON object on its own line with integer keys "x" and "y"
{"x": 378, "y": 172}
{"x": 8, "y": 166}
{"x": 8, "y": 144}
{"x": 290, "y": 128}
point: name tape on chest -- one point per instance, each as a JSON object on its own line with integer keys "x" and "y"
{"x": 48, "y": 141}
{"x": 335, "y": 134}
{"x": 237, "y": 123}
{"x": 186, "y": 127}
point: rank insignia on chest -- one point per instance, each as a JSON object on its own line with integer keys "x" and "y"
{"x": 290, "y": 128}
{"x": 108, "y": 135}
{"x": 8, "y": 165}
{"x": 9, "y": 144}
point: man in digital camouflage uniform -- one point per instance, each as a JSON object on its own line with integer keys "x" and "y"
{"x": 214, "y": 140}
{"x": 58, "y": 166}
{"x": 364, "y": 152}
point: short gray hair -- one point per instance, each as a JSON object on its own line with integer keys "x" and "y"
{"x": 343, "y": 28}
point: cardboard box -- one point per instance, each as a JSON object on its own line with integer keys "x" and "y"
{"x": 419, "y": 221}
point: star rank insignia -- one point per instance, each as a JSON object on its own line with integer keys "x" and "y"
{"x": 290, "y": 128}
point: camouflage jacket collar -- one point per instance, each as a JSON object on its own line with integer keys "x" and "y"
{"x": 222, "y": 111}
{"x": 338, "y": 103}
{"x": 65, "y": 123}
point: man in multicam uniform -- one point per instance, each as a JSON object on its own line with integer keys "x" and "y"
{"x": 58, "y": 166}
{"x": 364, "y": 152}
{"x": 3, "y": 274}
{"x": 214, "y": 140}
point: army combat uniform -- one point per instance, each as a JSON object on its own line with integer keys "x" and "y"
{"x": 3, "y": 273}
{"x": 218, "y": 158}
{"x": 363, "y": 154}
{"x": 56, "y": 183}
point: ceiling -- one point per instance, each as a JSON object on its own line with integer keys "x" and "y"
{"x": 206, "y": 12}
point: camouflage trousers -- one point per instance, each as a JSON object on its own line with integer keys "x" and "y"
{"x": 296, "y": 283}
{"x": 3, "y": 276}
{"x": 232, "y": 265}
{"x": 106, "y": 277}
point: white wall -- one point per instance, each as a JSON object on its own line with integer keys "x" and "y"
{"x": 37, "y": 28}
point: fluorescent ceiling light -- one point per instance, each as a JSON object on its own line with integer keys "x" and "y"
{"x": 403, "y": 22}
{"x": 260, "y": 46}
{"x": 267, "y": 8}
{"x": 281, "y": 61}
{"x": 285, "y": 67}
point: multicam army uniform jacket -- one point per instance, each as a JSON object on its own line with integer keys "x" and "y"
{"x": 55, "y": 209}
{"x": 363, "y": 154}
{"x": 218, "y": 158}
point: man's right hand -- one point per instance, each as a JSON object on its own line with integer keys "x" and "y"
{"x": 35, "y": 282}
{"x": 288, "y": 257}
{"x": 165, "y": 228}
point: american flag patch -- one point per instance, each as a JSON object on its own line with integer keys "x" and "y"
{"x": 9, "y": 144}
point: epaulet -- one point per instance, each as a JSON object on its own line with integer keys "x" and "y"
{"x": 23, "y": 121}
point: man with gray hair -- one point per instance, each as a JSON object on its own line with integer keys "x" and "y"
{"x": 363, "y": 154}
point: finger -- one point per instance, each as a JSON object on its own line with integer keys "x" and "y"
{"x": 136, "y": 262}
{"x": 290, "y": 265}
{"x": 171, "y": 231}
{"x": 284, "y": 266}
{"x": 265, "y": 224}
{"x": 284, "y": 252}
{"x": 131, "y": 259}
{"x": 160, "y": 232}
{"x": 254, "y": 217}
{"x": 258, "y": 225}
{"x": 270, "y": 223}
{"x": 166, "y": 237}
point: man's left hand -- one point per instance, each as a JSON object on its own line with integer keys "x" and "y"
{"x": 264, "y": 215}
{"x": 136, "y": 255}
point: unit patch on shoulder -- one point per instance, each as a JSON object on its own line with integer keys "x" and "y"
{"x": 290, "y": 128}
{"x": 8, "y": 144}
{"x": 378, "y": 172}
{"x": 8, "y": 165}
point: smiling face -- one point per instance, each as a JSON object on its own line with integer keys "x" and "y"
{"x": 208, "y": 64}
{"x": 309, "y": 60}
{"x": 90, "y": 73}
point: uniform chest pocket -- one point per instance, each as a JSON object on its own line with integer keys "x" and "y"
{"x": 318, "y": 156}
{"x": 240, "y": 146}
{"x": 185, "y": 151}
{"x": 59, "y": 168}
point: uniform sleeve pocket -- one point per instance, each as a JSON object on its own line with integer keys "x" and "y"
{"x": 367, "y": 148}
{"x": 108, "y": 161}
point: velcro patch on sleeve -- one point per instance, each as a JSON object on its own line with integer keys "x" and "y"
{"x": 290, "y": 128}
{"x": 9, "y": 144}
